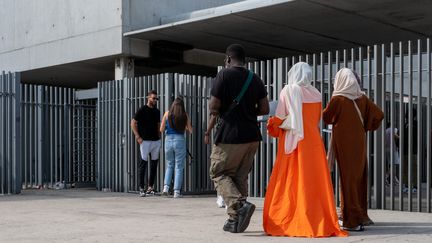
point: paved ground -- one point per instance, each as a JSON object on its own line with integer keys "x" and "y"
{"x": 92, "y": 216}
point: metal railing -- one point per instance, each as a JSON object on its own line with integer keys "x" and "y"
{"x": 118, "y": 151}
{"x": 10, "y": 133}
{"x": 46, "y": 114}
{"x": 397, "y": 76}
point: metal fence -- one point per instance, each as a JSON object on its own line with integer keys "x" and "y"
{"x": 46, "y": 114}
{"x": 397, "y": 76}
{"x": 10, "y": 133}
{"x": 118, "y": 151}
{"x": 83, "y": 171}
{"x": 85, "y": 141}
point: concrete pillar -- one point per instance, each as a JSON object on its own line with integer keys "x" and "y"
{"x": 124, "y": 68}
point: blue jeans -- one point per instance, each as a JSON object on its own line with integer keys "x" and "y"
{"x": 175, "y": 154}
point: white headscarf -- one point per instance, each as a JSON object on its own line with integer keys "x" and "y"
{"x": 346, "y": 84}
{"x": 298, "y": 91}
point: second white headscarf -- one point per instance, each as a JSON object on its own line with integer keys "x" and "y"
{"x": 298, "y": 91}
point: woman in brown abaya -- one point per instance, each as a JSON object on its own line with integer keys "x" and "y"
{"x": 352, "y": 114}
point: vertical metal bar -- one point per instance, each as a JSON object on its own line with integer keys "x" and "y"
{"x": 17, "y": 136}
{"x": 410, "y": 128}
{"x": 314, "y": 70}
{"x": 55, "y": 108}
{"x": 428, "y": 128}
{"x": 262, "y": 152}
{"x": 71, "y": 101}
{"x": 368, "y": 136}
{"x": 31, "y": 134}
{"x": 324, "y": 102}
{"x": 392, "y": 127}
{"x": 345, "y": 60}
{"x": 8, "y": 109}
{"x": 383, "y": 81}
{"x": 61, "y": 135}
{"x": 378, "y": 89}
{"x": 271, "y": 87}
{"x": 98, "y": 135}
{"x": 3, "y": 131}
{"x": 419, "y": 128}
{"x": 66, "y": 137}
{"x": 111, "y": 105}
{"x": 125, "y": 157}
{"x": 337, "y": 67}
{"x": 116, "y": 134}
{"x": 401, "y": 124}
{"x": 25, "y": 131}
{"x": 107, "y": 136}
{"x": 123, "y": 117}
{"x": 41, "y": 140}
{"x": 360, "y": 69}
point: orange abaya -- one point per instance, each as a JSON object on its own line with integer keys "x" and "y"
{"x": 299, "y": 200}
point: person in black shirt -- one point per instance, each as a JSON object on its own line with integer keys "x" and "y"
{"x": 237, "y": 135}
{"x": 145, "y": 126}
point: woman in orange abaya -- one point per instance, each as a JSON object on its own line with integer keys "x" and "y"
{"x": 299, "y": 200}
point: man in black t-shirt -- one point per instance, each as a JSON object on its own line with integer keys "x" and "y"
{"x": 237, "y": 135}
{"x": 145, "y": 126}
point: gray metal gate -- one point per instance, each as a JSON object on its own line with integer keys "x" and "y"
{"x": 46, "y": 114}
{"x": 10, "y": 133}
{"x": 83, "y": 171}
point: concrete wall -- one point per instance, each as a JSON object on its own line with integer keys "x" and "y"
{"x": 36, "y": 34}
{"x": 44, "y": 33}
{"x": 148, "y": 13}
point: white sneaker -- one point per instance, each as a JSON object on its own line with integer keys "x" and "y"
{"x": 220, "y": 202}
{"x": 177, "y": 194}
{"x": 165, "y": 191}
{"x": 142, "y": 192}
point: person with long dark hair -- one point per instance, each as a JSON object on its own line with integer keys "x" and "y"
{"x": 175, "y": 123}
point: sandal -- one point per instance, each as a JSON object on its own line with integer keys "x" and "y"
{"x": 357, "y": 228}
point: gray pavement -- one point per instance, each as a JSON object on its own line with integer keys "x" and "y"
{"x": 93, "y": 216}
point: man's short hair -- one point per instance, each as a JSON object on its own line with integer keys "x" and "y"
{"x": 152, "y": 92}
{"x": 237, "y": 52}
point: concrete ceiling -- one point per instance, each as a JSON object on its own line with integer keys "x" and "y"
{"x": 83, "y": 74}
{"x": 271, "y": 28}
{"x": 86, "y": 74}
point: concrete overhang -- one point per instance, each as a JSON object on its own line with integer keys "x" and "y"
{"x": 277, "y": 28}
